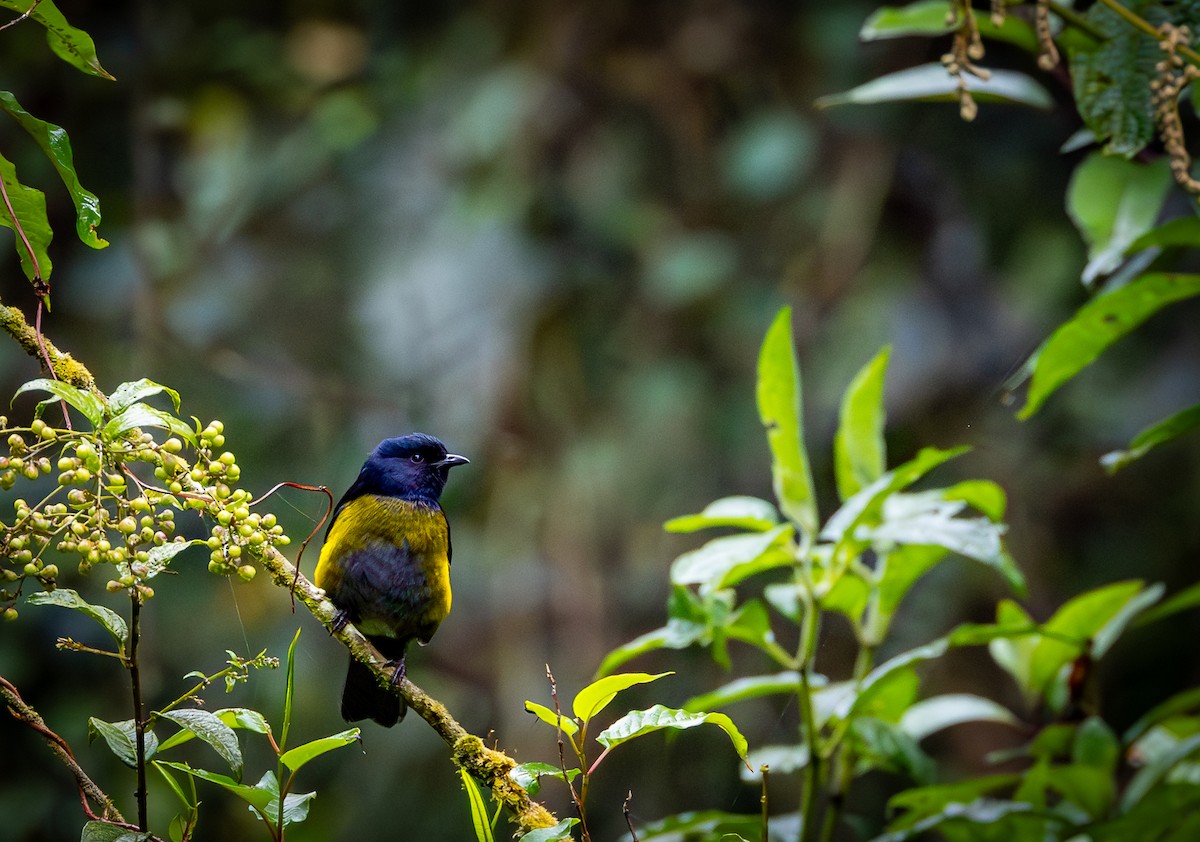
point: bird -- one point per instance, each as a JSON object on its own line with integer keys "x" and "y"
{"x": 385, "y": 563}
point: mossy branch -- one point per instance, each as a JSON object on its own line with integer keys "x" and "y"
{"x": 64, "y": 366}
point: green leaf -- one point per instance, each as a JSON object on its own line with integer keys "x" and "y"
{"x": 781, "y": 410}
{"x": 139, "y": 415}
{"x": 528, "y": 775}
{"x": 1167, "y": 813}
{"x": 95, "y": 831}
{"x": 1164, "y": 431}
{"x": 559, "y": 833}
{"x": 639, "y": 722}
{"x": 121, "y": 738}
{"x": 1015, "y": 654}
{"x": 295, "y": 805}
{"x": 900, "y": 568}
{"x": 931, "y": 83}
{"x": 919, "y": 803}
{"x": 211, "y": 730}
{"x": 674, "y": 635}
{"x": 596, "y": 696}
{"x": 160, "y": 557}
{"x": 748, "y": 687}
{"x": 1098, "y": 324}
{"x": 982, "y": 494}
{"x": 1187, "y": 701}
{"x": 29, "y": 215}
{"x": 289, "y": 690}
{"x": 727, "y": 560}
{"x": 1112, "y": 78}
{"x": 88, "y": 404}
{"x": 779, "y": 760}
{"x": 568, "y": 725}
{"x": 714, "y": 824}
{"x": 258, "y": 798}
{"x": 750, "y": 513}
{"x": 929, "y": 716}
{"x": 1182, "y": 601}
{"x": 297, "y": 757}
{"x": 1152, "y": 774}
{"x": 860, "y": 456}
{"x": 1113, "y": 202}
{"x": 934, "y": 17}
{"x": 480, "y": 820}
{"x": 250, "y": 720}
{"x": 127, "y": 394}
{"x": 1183, "y": 231}
{"x": 1096, "y": 745}
{"x": 56, "y": 145}
{"x": 849, "y": 597}
{"x": 74, "y": 46}
{"x": 112, "y": 622}
{"x": 884, "y": 746}
{"x": 984, "y": 819}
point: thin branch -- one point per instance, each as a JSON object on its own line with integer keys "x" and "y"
{"x": 23, "y": 17}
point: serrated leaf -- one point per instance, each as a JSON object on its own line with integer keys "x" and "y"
{"x": 298, "y": 756}
{"x": 211, "y": 730}
{"x": 860, "y": 455}
{"x": 1180, "y": 423}
{"x": 559, "y": 833}
{"x": 56, "y": 145}
{"x": 94, "y": 831}
{"x": 639, "y": 722}
{"x": 127, "y": 394}
{"x": 599, "y": 694}
{"x": 121, "y": 739}
{"x": 112, "y": 622}
{"x": 931, "y": 83}
{"x": 780, "y": 408}
{"x": 1098, "y": 324}
{"x": 1113, "y": 202}
{"x": 749, "y": 513}
{"x": 723, "y": 561}
{"x": 28, "y": 215}
{"x": 88, "y": 404}
{"x": 568, "y": 725}
{"x": 74, "y": 46}
{"x": 747, "y": 687}
{"x": 929, "y": 716}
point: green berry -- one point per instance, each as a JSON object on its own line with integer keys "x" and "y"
{"x": 246, "y": 572}
{"x": 10, "y": 614}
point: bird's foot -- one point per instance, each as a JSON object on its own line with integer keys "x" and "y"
{"x": 400, "y": 670}
{"x": 341, "y": 619}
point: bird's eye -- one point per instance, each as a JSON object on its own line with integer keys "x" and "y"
{"x": 416, "y": 458}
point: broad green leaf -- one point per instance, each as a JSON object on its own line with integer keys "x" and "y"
{"x": 933, "y": 17}
{"x": 298, "y": 756}
{"x": 259, "y": 799}
{"x": 636, "y": 723}
{"x": 748, "y": 687}
{"x": 779, "y": 760}
{"x": 173, "y": 783}
{"x": 29, "y": 215}
{"x": 568, "y": 725}
{"x": 528, "y": 775}
{"x": 74, "y": 46}
{"x": 781, "y": 410}
{"x": 112, "y": 622}
{"x": 289, "y": 690}
{"x": 1183, "y": 231}
{"x": 677, "y": 634}
{"x": 1187, "y": 701}
{"x": 1164, "y": 431}
{"x": 860, "y": 456}
{"x": 727, "y": 560}
{"x": 887, "y": 696}
{"x": 1103, "y": 639}
{"x": 1015, "y": 654}
{"x": 984, "y": 819}
{"x": 95, "y": 831}
{"x": 1096, "y": 745}
{"x": 1098, "y": 324}
{"x": 1169, "y": 812}
{"x": 1182, "y": 601}
{"x": 1112, "y": 78}
{"x": 931, "y": 83}
{"x": 121, "y": 738}
{"x": 913, "y": 805}
{"x": 1151, "y": 775}
{"x": 1113, "y": 202}
{"x": 749, "y": 513}
{"x": 884, "y": 746}
{"x": 127, "y": 394}
{"x": 160, "y": 557}
{"x": 559, "y": 833}
{"x": 295, "y": 804}
{"x": 480, "y": 820}
{"x": 929, "y": 716}
{"x": 713, "y": 824}
{"x": 57, "y": 147}
{"x": 596, "y": 696}
{"x": 900, "y": 568}
{"x": 982, "y": 494}
{"x": 848, "y": 597}
{"x": 88, "y": 404}
{"x": 211, "y": 730}
{"x": 143, "y": 415}
{"x": 250, "y": 720}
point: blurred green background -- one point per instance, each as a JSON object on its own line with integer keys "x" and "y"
{"x": 553, "y": 234}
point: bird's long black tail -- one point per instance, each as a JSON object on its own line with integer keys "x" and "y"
{"x": 363, "y": 698}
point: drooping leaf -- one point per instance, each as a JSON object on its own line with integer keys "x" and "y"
{"x": 298, "y": 756}
{"x": 121, "y": 739}
{"x": 56, "y": 145}
{"x": 88, "y": 404}
{"x": 596, "y": 696}
{"x": 127, "y": 394}
{"x": 257, "y": 797}
{"x": 112, "y": 622}
{"x": 1098, "y": 324}
{"x": 749, "y": 513}
{"x": 1113, "y": 202}
{"x": 74, "y": 46}
{"x": 480, "y": 820}
{"x": 27, "y": 214}
{"x": 860, "y": 456}
{"x": 250, "y": 720}
{"x": 781, "y": 410}
{"x": 211, "y": 730}
{"x": 931, "y": 83}
{"x": 639, "y": 722}
{"x": 929, "y": 716}
{"x": 1164, "y": 431}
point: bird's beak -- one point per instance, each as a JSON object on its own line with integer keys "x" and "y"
{"x": 451, "y": 460}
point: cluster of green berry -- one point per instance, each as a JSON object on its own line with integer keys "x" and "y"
{"x": 111, "y": 516}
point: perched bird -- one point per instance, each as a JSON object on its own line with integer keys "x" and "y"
{"x": 386, "y": 562}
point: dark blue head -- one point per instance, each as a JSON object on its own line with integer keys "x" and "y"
{"x": 413, "y": 466}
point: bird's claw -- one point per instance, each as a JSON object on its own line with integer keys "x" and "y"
{"x": 401, "y": 671}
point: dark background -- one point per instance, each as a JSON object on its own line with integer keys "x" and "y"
{"x": 554, "y": 234}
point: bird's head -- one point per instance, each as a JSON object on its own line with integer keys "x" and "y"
{"x": 413, "y": 466}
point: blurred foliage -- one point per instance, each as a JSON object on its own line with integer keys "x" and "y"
{"x": 552, "y": 234}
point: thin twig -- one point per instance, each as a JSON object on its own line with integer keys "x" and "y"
{"x": 24, "y": 16}
{"x": 139, "y": 724}
{"x": 628, "y": 821}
